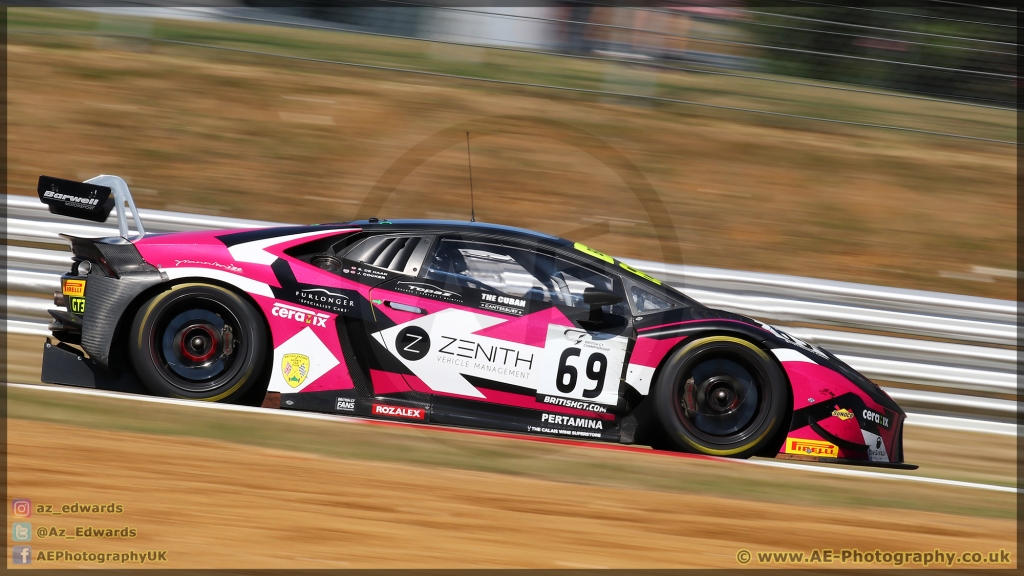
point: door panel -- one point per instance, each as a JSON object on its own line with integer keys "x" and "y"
{"x": 483, "y": 318}
{"x": 377, "y": 261}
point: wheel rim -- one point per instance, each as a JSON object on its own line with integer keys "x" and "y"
{"x": 722, "y": 398}
{"x": 196, "y": 347}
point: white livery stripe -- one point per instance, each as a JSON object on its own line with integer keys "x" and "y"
{"x": 241, "y": 282}
{"x": 255, "y": 253}
{"x": 790, "y": 355}
{"x": 639, "y": 377}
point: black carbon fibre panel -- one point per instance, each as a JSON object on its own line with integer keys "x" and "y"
{"x": 106, "y": 300}
{"x": 124, "y": 258}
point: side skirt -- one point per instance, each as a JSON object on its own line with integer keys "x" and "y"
{"x": 454, "y": 412}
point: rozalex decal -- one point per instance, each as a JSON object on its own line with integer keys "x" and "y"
{"x": 399, "y": 412}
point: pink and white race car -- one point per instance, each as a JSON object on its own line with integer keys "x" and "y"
{"x": 451, "y": 323}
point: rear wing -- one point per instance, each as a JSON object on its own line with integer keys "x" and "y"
{"x": 91, "y": 200}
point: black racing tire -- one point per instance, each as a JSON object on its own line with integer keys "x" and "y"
{"x": 198, "y": 341}
{"x": 720, "y": 396}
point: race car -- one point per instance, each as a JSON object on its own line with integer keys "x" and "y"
{"x": 450, "y": 323}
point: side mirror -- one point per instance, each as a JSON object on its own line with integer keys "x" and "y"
{"x": 596, "y": 297}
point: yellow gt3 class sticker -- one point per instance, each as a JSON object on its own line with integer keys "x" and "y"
{"x": 587, "y": 250}
{"x": 639, "y": 273}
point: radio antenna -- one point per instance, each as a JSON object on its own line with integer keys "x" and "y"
{"x": 472, "y": 207}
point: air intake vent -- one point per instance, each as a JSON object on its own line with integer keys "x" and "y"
{"x": 390, "y": 252}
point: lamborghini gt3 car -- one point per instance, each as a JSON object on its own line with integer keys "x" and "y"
{"x": 443, "y": 322}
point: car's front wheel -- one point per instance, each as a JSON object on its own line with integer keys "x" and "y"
{"x": 198, "y": 341}
{"x": 721, "y": 396}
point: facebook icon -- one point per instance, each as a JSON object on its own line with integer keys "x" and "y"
{"x": 21, "y": 554}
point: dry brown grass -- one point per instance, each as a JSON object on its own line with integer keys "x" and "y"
{"x": 208, "y": 131}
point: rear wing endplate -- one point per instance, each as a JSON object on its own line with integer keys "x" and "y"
{"x": 91, "y": 200}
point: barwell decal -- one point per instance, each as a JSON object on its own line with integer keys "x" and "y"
{"x": 51, "y": 195}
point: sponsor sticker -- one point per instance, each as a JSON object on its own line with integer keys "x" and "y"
{"x": 295, "y": 368}
{"x": 399, "y": 412}
{"x": 572, "y": 421}
{"x": 412, "y": 343}
{"x": 300, "y": 315}
{"x": 228, "y": 267}
{"x": 599, "y": 255}
{"x": 806, "y": 447}
{"x": 842, "y": 413}
{"x": 325, "y": 299}
{"x": 346, "y": 405}
{"x": 429, "y": 290}
{"x": 74, "y": 288}
{"x": 570, "y": 403}
{"x": 71, "y": 199}
{"x": 502, "y": 309}
{"x": 876, "y": 447}
{"x": 503, "y": 304}
{"x": 76, "y": 304}
{"x": 639, "y": 273}
{"x": 872, "y": 416}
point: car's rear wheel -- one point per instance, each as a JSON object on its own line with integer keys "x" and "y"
{"x": 198, "y": 341}
{"x": 721, "y": 396}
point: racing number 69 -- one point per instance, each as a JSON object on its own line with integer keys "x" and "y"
{"x": 597, "y": 367}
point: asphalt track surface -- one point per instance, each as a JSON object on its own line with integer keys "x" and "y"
{"x": 851, "y": 471}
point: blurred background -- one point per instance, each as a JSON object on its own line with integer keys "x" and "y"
{"x": 872, "y": 144}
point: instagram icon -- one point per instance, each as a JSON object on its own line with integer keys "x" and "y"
{"x": 21, "y": 507}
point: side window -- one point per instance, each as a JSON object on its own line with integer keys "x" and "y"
{"x": 516, "y": 272}
{"x": 484, "y": 267}
{"x": 644, "y": 301}
{"x": 401, "y": 254}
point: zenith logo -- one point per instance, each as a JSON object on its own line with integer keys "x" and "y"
{"x": 415, "y": 338}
